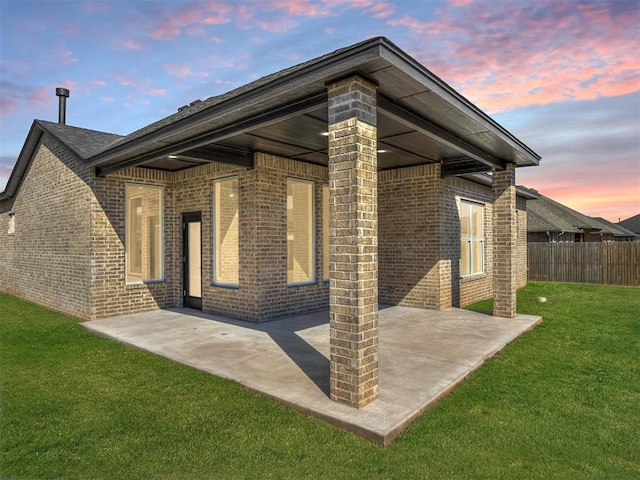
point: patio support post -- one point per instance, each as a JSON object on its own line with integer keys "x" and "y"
{"x": 353, "y": 241}
{"x": 505, "y": 228}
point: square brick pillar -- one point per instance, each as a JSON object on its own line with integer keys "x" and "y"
{"x": 505, "y": 237}
{"x": 353, "y": 242}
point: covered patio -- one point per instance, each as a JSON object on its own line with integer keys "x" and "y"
{"x": 423, "y": 355}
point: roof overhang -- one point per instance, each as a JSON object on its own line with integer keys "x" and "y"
{"x": 420, "y": 120}
{"x": 23, "y": 162}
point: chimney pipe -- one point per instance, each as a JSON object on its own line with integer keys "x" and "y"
{"x": 63, "y": 94}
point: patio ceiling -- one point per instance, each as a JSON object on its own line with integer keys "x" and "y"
{"x": 420, "y": 120}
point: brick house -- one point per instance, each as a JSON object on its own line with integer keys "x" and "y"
{"x": 355, "y": 178}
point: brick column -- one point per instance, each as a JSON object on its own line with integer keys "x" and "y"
{"x": 505, "y": 231}
{"x": 353, "y": 242}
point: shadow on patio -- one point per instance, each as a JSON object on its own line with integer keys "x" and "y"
{"x": 423, "y": 355}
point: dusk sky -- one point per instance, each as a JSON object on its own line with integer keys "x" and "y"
{"x": 563, "y": 76}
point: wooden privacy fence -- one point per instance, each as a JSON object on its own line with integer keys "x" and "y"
{"x": 608, "y": 263}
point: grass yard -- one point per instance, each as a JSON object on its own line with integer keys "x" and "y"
{"x": 563, "y": 401}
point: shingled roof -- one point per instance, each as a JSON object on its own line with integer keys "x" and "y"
{"x": 420, "y": 120}
{"x": 546, "y": 215}
{"x": 617, "y": 230}
{"x": 632, "y": 223}
{"x": 80, "y": 141}
{"x": 558, "y": 217}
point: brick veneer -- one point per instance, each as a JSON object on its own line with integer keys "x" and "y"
{"x": 505, "y": 229}
{"x": 47, "y": 260}
{"x": 353, "y": 240}
{"x": 67, "y": 251}
{"x": 419, "y": 239}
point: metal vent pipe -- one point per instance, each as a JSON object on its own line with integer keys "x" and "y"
{"x": 63, "y": 94}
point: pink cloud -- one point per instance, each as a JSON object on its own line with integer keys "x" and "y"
{"x": 68, "y": 58}
{"x": 300, "y": 8}
{"x": 132, "y": 44}
{"x": 527, "y": 54}
{"x": 7, "y": 105}
{"x": 143, "y": 85}
{"x": 191, "y": 17}
{"x": 182, "y": 71}
{"x": 41, "y": 96}
{"x": 276, "y": 25}
{"x": 154, "y": 91}
{"x": 382, "y": 10}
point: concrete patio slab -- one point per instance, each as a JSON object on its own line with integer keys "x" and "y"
{"x": 423, "y": 355}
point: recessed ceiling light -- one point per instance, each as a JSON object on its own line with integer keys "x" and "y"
{"x": 172, "y": 156}
{"x": 383, "y": 151}
{"x": 325, "y": 134}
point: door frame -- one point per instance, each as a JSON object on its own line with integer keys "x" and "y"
{"x": 189, "y": 301}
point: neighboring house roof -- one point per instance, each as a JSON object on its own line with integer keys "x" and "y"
{"x": 541, "y": 219}
{"x": 81, "y": 141}
{"x": 547, "y": 215}
{"x": 632, "y": 223}
{"x": 617, "y": 230}
{"x": 550, "y": 215}
{"x": 420, "y": 120}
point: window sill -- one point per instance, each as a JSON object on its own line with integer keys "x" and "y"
{"x": 473, "y": 278}
{"x": 301, "y": 284}
{"x": 230, "y": 286}
{"x": 141, "y": 284}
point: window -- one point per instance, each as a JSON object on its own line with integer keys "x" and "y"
{"x": 144, "y": 214}
{"x": 226, "y": 258}
{"x": 325, "y": 232}
{"x": 471, "y": 238}
{"x": 300, "y": 241}
{"x": 12, "y": 223}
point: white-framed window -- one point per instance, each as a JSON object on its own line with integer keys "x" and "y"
{"x": 325, "y": 233}
{"x": 144, "y": 233}
{"x": 12, "y": 223}
{"x": 471, "y": 238}
{"x": 300, "y": 232}
{"x": 226, "y": 238}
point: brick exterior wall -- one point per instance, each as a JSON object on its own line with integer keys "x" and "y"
{"x": 410, "y": 266}
{"x": 68, "y": 253}
{"x": 47, "y": 260}
{"x": 419, "y": 239}
{"x": 263, "y": 293}
{"x": 111, "y": 294}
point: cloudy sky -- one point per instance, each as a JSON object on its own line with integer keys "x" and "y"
{"x": 562, "y": 75}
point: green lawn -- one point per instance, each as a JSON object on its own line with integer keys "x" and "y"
{"x": 563, "y": 401}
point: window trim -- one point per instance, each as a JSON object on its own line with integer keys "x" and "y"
{"x": 471, "y": 239}
{"x": 162, "y": 278}
{"x": 313, "y": 249}
{"x": 214, "y": 249}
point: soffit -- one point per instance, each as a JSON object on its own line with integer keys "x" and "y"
{"x": 420, "y": 120}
